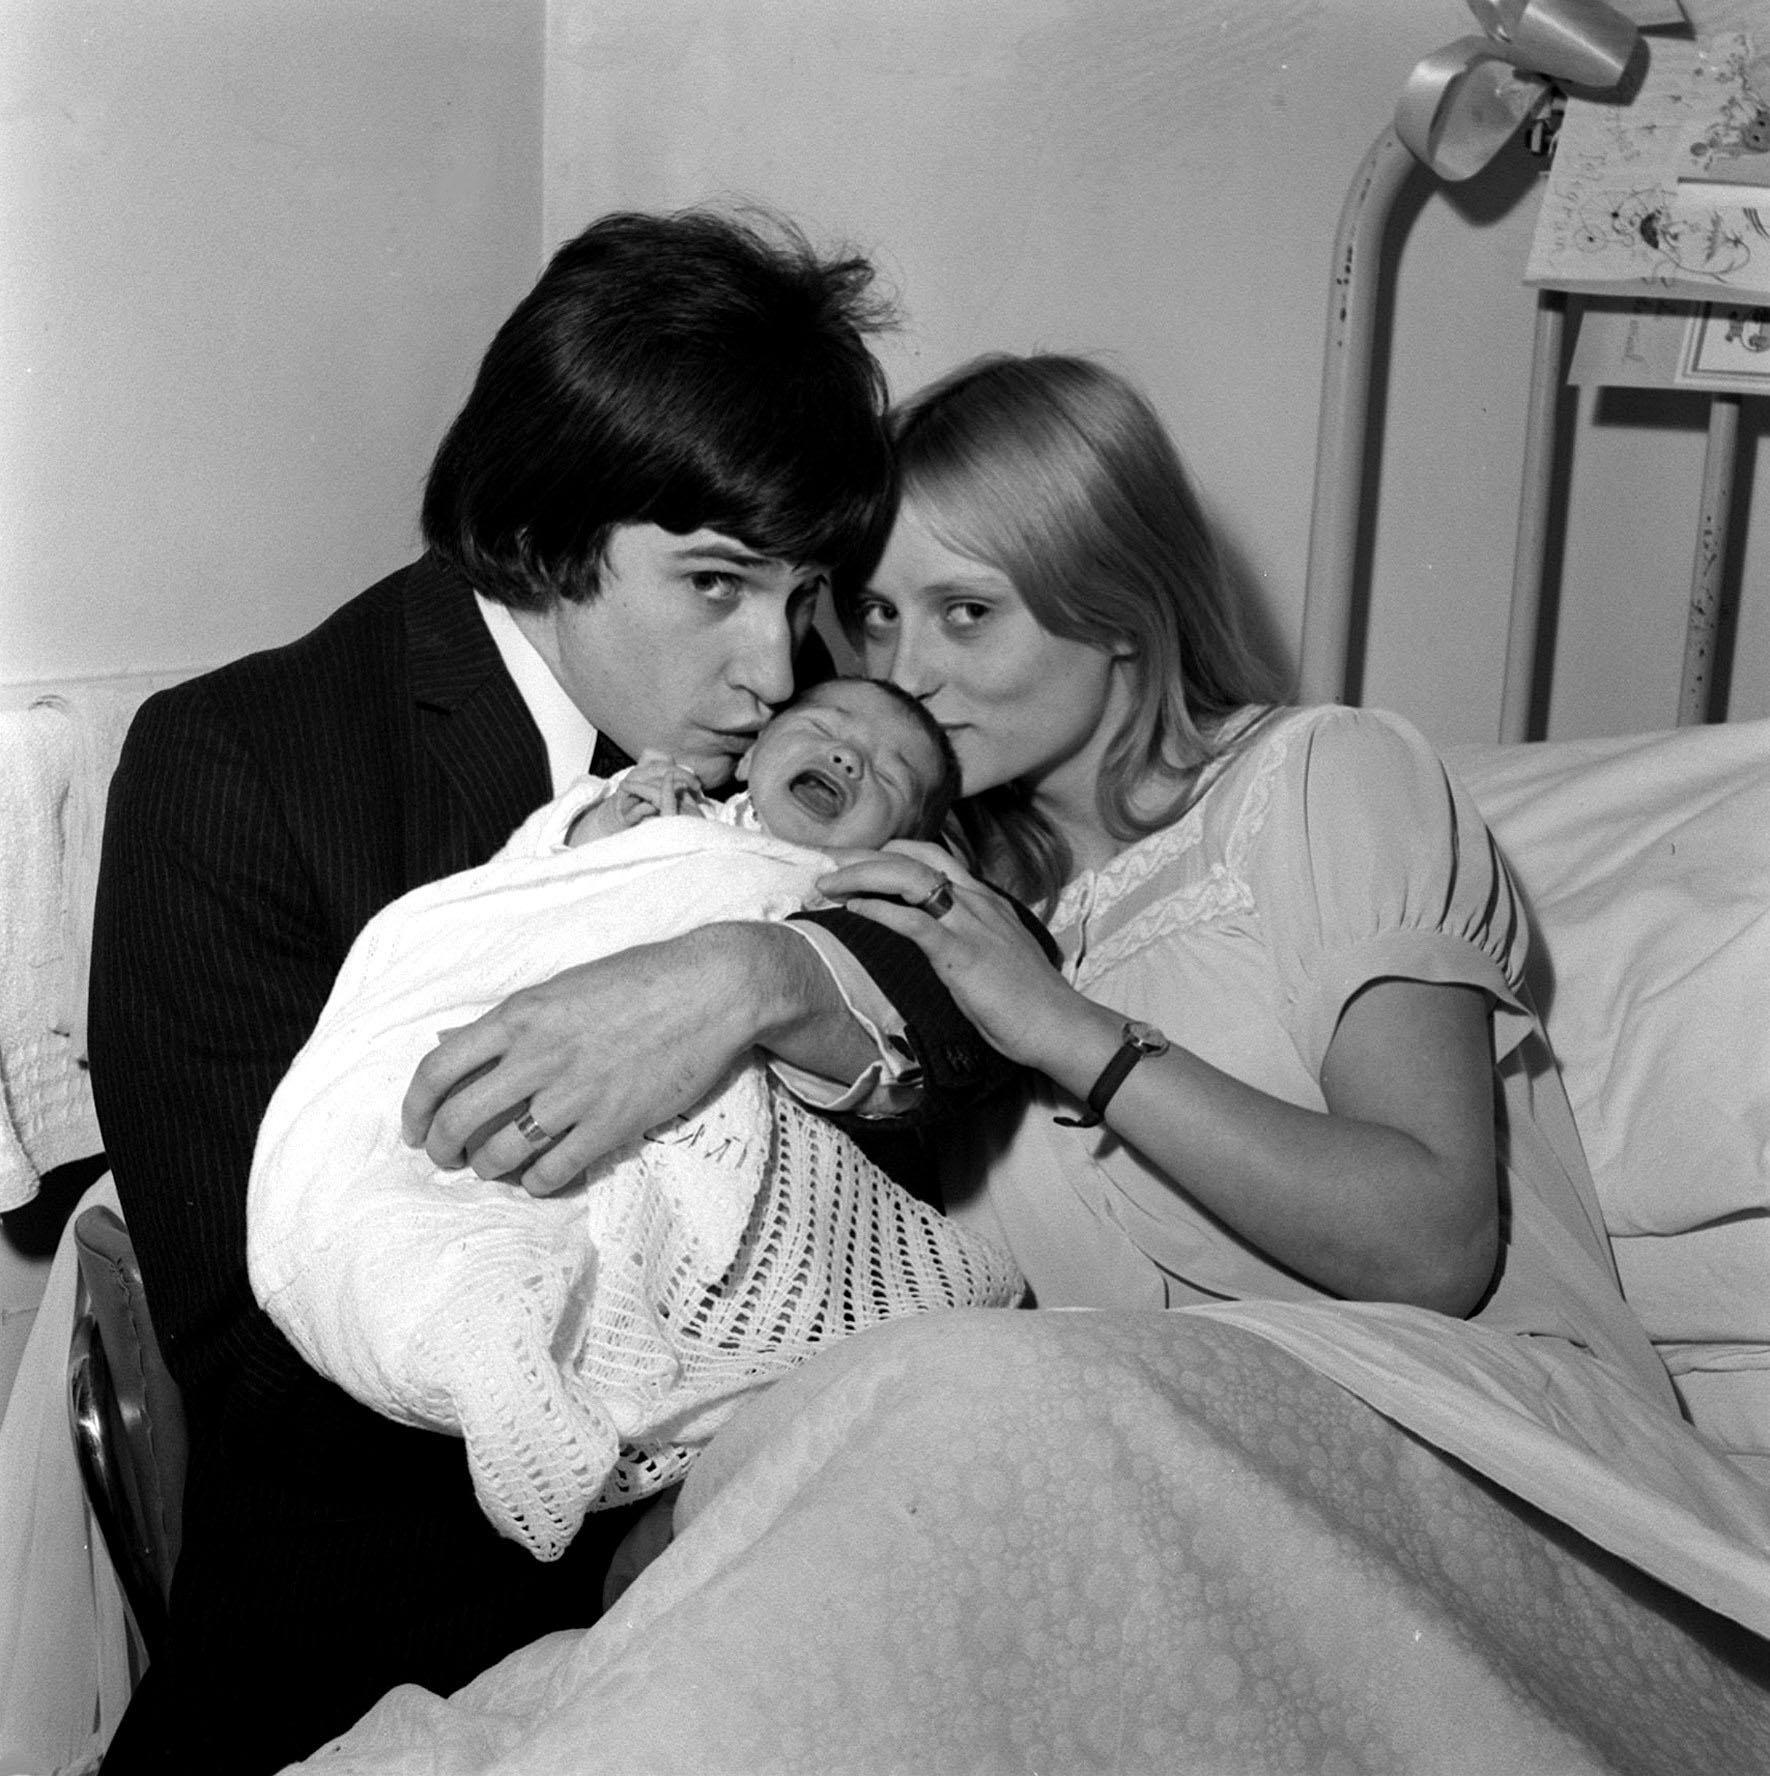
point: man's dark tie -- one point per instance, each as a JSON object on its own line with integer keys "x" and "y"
{"x": 608, "y": 758}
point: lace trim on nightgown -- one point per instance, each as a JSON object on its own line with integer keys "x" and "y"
{"x": 1223, "y": 890}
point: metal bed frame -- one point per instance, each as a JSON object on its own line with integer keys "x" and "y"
{"x": 1330, "y": 608}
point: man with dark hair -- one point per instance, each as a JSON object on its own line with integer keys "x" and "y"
{"x": 671, "y": 445}
{"x": 683, "y": 373}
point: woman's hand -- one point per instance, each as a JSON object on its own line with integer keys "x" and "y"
{"x": 985, "y": 956}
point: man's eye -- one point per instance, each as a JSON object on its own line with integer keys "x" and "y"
{"x": 721, "y": 587}
{"x": 966, "y": 614}
{"x": 876, "y": 618}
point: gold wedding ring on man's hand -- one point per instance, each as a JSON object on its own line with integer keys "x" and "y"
{"x": 531, "y": 1131}
{"x": 938, "y": 901}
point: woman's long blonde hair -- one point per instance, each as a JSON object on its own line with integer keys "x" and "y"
{"x": 1057, "y": 473}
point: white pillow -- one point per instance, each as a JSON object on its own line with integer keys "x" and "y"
{"x": 1646, "y": 864}
{"x": 1726, "y": 1390}
{"x": 1710, "y": 1285}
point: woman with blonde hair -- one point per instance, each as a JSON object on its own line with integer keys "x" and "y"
{"x": 1292, "y": 998}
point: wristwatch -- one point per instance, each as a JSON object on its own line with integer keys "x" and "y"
{"x": 1135, "y": 1041}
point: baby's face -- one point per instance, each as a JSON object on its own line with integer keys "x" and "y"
{"x": 844, "y": 767}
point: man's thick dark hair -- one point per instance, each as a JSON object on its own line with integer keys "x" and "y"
{"x": 690, "y": 371}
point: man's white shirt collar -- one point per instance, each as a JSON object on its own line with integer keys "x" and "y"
{"x": 568, "y": 736}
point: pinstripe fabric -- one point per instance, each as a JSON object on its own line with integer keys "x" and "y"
{"x": 258, "y": 818}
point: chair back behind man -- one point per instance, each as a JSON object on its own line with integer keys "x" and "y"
{"x": 128, "y": 1421}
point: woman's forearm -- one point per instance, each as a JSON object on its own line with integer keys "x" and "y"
{"x": 1356, "y": 1205}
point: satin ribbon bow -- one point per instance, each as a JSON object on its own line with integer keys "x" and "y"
{"x": 1462, "y": 103}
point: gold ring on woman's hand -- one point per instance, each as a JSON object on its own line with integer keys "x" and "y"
{"x": 938, "y": 901}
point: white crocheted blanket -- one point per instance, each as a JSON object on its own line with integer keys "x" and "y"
{"x": 586, "y": 1345}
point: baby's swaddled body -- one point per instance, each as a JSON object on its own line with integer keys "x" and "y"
{"x": 586, "y": 1345}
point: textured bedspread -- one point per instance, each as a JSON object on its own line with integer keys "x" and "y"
{"x": 1059, "y": 1542}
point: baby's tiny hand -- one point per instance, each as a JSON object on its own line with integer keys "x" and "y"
{"x": 656, "y": 785}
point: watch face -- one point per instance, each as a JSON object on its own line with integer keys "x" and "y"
{"x": 1145, "y": 1036}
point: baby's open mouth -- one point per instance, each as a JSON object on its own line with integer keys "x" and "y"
{"x": 823, "y": 794}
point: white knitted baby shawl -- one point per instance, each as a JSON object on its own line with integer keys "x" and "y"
{"x": 584, "y": 1346}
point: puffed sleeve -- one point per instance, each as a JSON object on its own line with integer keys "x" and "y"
{"x": 1373, "y": 864}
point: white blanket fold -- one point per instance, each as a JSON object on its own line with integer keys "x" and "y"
{"x": 56, "y": 760}
{"x": 46, "y": 1115}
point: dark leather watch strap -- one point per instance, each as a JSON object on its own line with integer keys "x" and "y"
{"x": 1136, "y": 1041}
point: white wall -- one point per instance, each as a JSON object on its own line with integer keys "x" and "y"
{"x": 1159, "y": 181}
{"x": 250, "y": 252}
